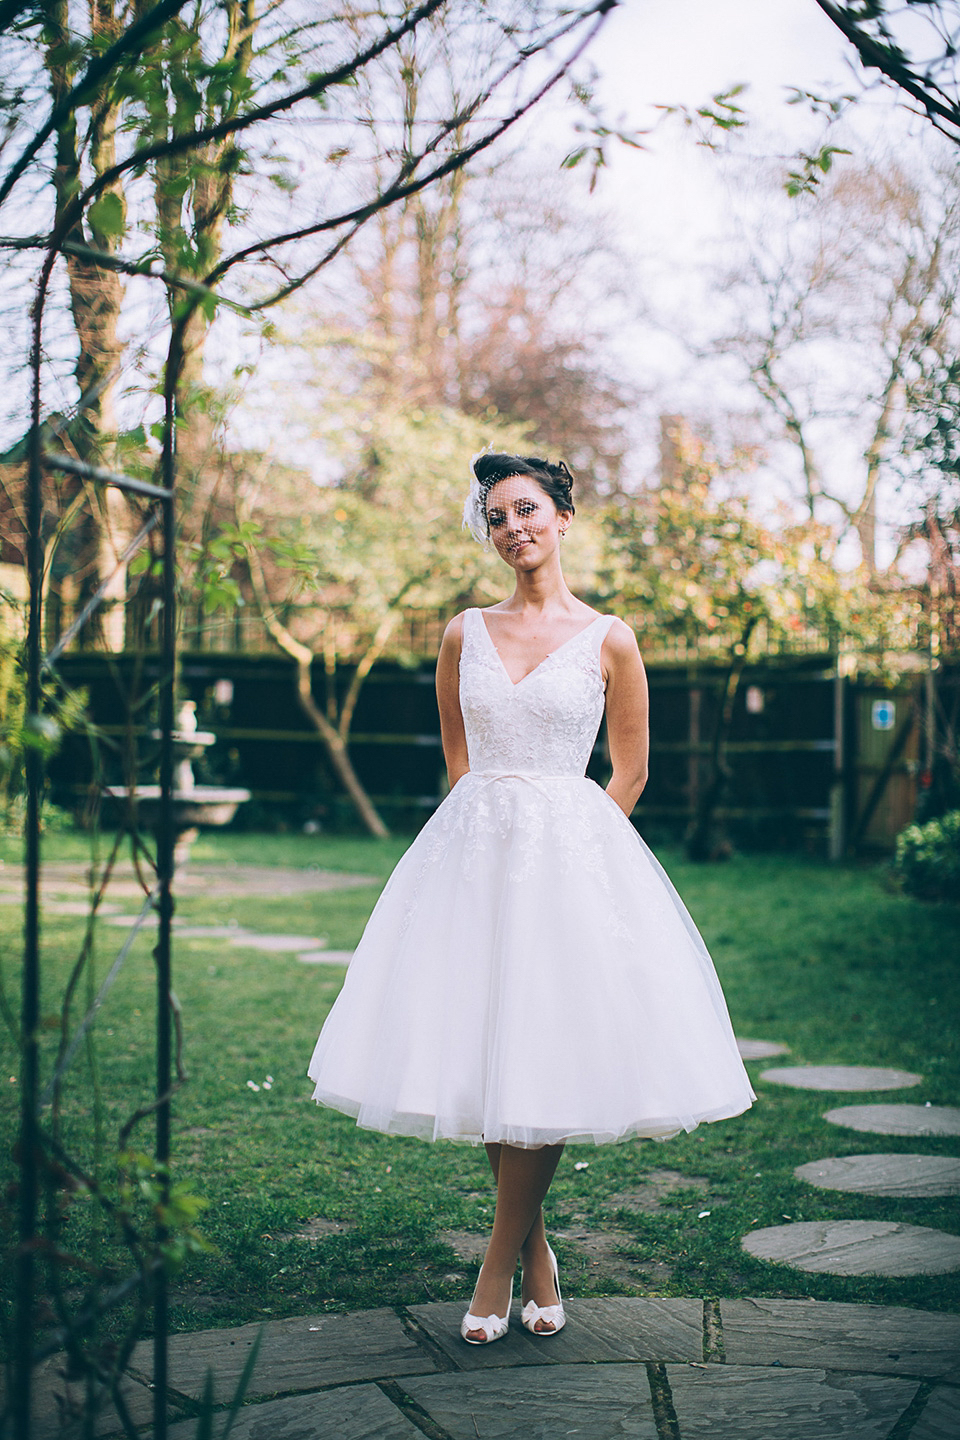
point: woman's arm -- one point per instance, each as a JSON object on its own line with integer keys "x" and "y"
{"x": 628, "y": 735}
{"x": 448, "y": 700}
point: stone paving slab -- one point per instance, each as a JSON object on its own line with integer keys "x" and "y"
{"x": 299, "y": 1354}
{"x": 840, "y": 1077}
{"x": 867, "y": 1339}
{"x": 180, "y": 932}
{"x": 75, "y": 907}
{"x": 897, "y": 1119}
{"x": 204, "y": 932}
{"x": 65, "y": 877}
{"x": 856, "y": 1247}
{"x": 306, "y": 947}
{"x": 591, "y": 1402}
{"x": 356, "y": 1412}
{"x": 625, "y": 1328}
{"x": 439, "y": 1320}
{"x": 761, "y": 1049}
{"x": 914, "y": 1177}
{"x": 733, "y": 1402}
{"x": 57, "y": 1402}
{"x": 252, "y": 940}
{"x": 795, "y": 1370}
{"x": 267, "y": 880}
{"x": 940, "y": 1417}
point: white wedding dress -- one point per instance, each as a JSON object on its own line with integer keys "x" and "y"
{"x": 529, "y": 975}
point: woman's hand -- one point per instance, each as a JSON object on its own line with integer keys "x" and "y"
{"x": 627, "y": 709}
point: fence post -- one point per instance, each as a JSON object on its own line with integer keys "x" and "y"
{"x": 30, "y": 992}
{"x": 838, "y": 799}
{"x": 166, "y": 838}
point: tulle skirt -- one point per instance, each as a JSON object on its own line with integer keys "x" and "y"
{"x": 529, "y": 975}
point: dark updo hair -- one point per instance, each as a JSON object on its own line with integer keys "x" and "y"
{"x": 554, "y": 480}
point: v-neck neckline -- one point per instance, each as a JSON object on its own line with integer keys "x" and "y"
{"x": 549, "y": 655}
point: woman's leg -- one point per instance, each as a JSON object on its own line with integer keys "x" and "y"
{"x": 523, "y": 1179}
{"x": 537, "y": 1270}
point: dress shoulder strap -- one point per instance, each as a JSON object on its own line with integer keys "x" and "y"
{"x": 599, "y": 631}
{"x": 470, "y": 634}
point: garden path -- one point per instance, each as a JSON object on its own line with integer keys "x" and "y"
{"x": 867, "y": 1247}
{"x": 654, "y": 1369}
{"x": 665, "y": 1369}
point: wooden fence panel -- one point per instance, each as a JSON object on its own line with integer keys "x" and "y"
{"x": 807, "y": 765}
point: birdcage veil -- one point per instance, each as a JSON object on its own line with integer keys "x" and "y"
{"x": 555, "y": 480}
{"x": 474, "y": 509}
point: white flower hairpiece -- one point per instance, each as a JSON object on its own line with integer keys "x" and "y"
{"x": 474, "y": 508}
{"x": 474, "y": 515}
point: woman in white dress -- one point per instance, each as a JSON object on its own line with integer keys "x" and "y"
{"x": 529, "y": 976}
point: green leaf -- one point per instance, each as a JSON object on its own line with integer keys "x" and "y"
{"x": 569, "y": 161}
{"x": 40, "y": 732}
{"x": 139, "y": 563}
{"x": 242, "y": 1384}
{"x": 205, "y": 1419}
{"x": 106, "y": 214}
{"x": 132, "y": 84}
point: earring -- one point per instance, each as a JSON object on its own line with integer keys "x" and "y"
{"x": 563, "y": 534}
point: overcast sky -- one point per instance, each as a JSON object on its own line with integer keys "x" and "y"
{"x": 677, "y": 203}
{"x": 677, "y": 206}
{"x": 672, "y": 201}
{"x": 682, "y": 52}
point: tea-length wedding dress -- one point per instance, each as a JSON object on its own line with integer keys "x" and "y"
{"x": 529, "y": 906}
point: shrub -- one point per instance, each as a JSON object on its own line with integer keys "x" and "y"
{"x": 927, "y": 861}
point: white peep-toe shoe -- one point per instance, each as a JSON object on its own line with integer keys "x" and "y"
{"x": 548, "y": 1314}
{"x": 494, "y": 1327}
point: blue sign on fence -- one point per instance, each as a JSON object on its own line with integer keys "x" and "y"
{"x": 882, "y": 714}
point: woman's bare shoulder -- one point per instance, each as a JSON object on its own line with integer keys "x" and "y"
{"x": 620, "y": 641}
{"x": 453, "y": 633}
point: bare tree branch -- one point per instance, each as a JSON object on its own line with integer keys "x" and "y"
{"x": 303, "y": 656}
{"x": 174, "y": 145}
{"x": 130, "y": 42}
{"x": 402, "y": 189}
{"x": 887, "y": 57}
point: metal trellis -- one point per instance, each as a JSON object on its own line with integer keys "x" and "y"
{"x": 32, "y": 1102}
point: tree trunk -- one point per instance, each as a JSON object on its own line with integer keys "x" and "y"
{"x": 703, "y": 840}
{"x": 362, "y": 670}
{"x": 96, "y": 295}
{"x": 336, "y": 749}
{"x": 193, "y": 192}
{"x": 333, "y": 741}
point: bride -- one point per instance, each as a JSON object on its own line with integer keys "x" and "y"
{"x": 529, "y": 976}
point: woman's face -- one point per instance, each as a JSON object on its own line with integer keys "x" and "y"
{"x": 525, "y": 524}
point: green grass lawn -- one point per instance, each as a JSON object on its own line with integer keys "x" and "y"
{"x": 308, "y": 1213}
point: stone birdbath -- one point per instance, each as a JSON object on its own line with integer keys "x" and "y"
{"x": 194, "y": 806}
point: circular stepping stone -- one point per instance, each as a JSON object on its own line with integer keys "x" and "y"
{"x": 856, "y": 1247}
{"x": 761, "y": 1049}
{"x": 840, "y": 1077}
{"x": 912, "y": 1176}
{"x": 897, "y": 1119}
{"x": 279, "y": 943}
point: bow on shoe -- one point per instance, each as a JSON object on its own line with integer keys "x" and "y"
{"x": 494, "y": 1327}
{"x": 547, "y": 1314}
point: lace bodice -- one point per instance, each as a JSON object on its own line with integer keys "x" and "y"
{"x": 545, "y": 724}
